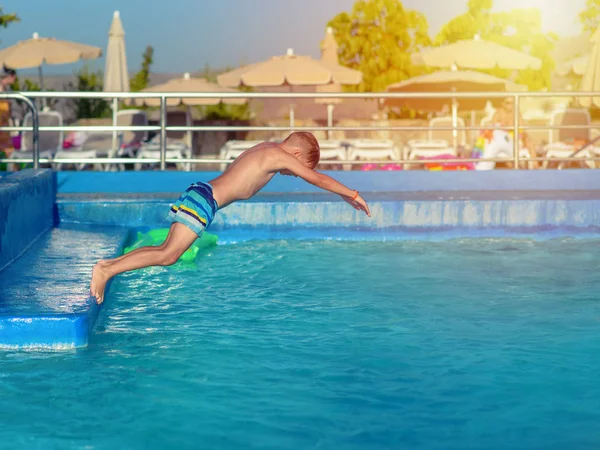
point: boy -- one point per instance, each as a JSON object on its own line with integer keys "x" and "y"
{"x": 298, "y": 155}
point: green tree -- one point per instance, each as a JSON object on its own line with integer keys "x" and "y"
{"x": 8, "y": 18}
{"x": 141, "y": 79}
{"x": 377, "y": 38}
{"x": 90, "y": 108}
{"x": 26, "y": 85}
{"x": 520, "y": 29}
{"x": 475, "y": 21}
{"x": 590, "y": 16}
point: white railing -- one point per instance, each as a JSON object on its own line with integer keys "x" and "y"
{"x": 34, "y": 122}
{"x": 162, "y": 128}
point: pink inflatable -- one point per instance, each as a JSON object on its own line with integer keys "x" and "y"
{"x": 391, "y": 166}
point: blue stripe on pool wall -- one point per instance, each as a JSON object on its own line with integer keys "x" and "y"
{"x": 381, "y": 181}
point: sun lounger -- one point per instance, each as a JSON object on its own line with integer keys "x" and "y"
{"x": 562, "y": 143}
{"x": 50, "y": 142}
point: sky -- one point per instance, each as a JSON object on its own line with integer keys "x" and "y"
{"x": 188, "y": 34}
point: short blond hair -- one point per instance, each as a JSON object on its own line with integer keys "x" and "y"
{"x": 307, "y": 143}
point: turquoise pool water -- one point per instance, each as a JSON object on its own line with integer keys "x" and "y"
{"x": 464, "y": 343}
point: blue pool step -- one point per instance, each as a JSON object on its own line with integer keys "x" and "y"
{"x": 44, "y": 294}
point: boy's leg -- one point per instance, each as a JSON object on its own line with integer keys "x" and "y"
{"x": 162, "y": 245}
{"x": 180, "y": 238}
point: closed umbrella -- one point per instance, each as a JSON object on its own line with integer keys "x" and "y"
{"x": 291, "y": 70}
{"x": 591, "y": 78}
{"x": 116, "y": 75}
{"x": 329, "y": 54}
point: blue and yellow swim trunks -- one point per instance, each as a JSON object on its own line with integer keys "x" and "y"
{"x": 196, "y": 208}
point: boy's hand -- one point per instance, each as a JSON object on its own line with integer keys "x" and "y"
{"x": 358, "y": 204}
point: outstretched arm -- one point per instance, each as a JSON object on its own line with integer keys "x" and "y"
{"x": 288, "y": 162}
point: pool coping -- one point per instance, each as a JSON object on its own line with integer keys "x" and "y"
{"x": 54, "y": 331}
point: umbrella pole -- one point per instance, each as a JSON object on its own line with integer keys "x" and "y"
{"x": 115, "y": 106}
{"x": 292, "y": 116}
{"x": 329, "y": 119}
{"x": 41, "y": 74}
{"x": 188, "y": 123}
{"x": 454, "y": 122}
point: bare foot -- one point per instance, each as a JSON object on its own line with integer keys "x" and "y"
{"x": 99, "y": 279}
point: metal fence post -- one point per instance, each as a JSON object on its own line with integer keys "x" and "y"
{"x": 35, "y": 125}
{"x": 516, "y": 137}
{"x": 163, "y": 132}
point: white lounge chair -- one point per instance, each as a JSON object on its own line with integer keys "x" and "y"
{"x": 559, "y": 140}
{"x": 50, "y": 142}
{"x": 174, "y": 150}
{"x": 373, "y": 149}
{"x": 179, "y": 143}
{"x": 100, "y": 144}
{"x": 332, "y": 149}
{"x": 434, "y": 134}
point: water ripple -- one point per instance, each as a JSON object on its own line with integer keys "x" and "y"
{"x": 467, "y": 343}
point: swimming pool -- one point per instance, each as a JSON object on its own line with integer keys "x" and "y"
{"x": 463, "y": 343}
{"x": 476, "y": 331}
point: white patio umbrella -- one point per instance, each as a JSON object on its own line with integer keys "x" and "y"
{"x": 37, "y": 51}
{"x": 475, "y": 53}
{"x": 190, "y": 84}
{"x": 450, "y": 81}
{"x": 576, "y": 66}
{"x": 290, "y": 70}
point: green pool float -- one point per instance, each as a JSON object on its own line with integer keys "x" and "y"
{"x": 157, "y": 236}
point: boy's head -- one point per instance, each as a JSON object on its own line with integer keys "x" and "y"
{"x": 304, "y": 146}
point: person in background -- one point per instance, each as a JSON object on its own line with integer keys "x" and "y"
{"x": 8, "y": 77}
{"x": 498, "y": 141}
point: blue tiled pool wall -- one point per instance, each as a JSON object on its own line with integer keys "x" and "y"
{"x": 27, "y": 200}
{"x": 410, "y": 200}
{"x": 405, "y": 201}
{"x": 386, "y": 215}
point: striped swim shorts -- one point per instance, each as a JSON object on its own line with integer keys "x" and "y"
{"x": 196, "y": 208}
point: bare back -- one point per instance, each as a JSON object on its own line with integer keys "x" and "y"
{"x": 245, "y": 176}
